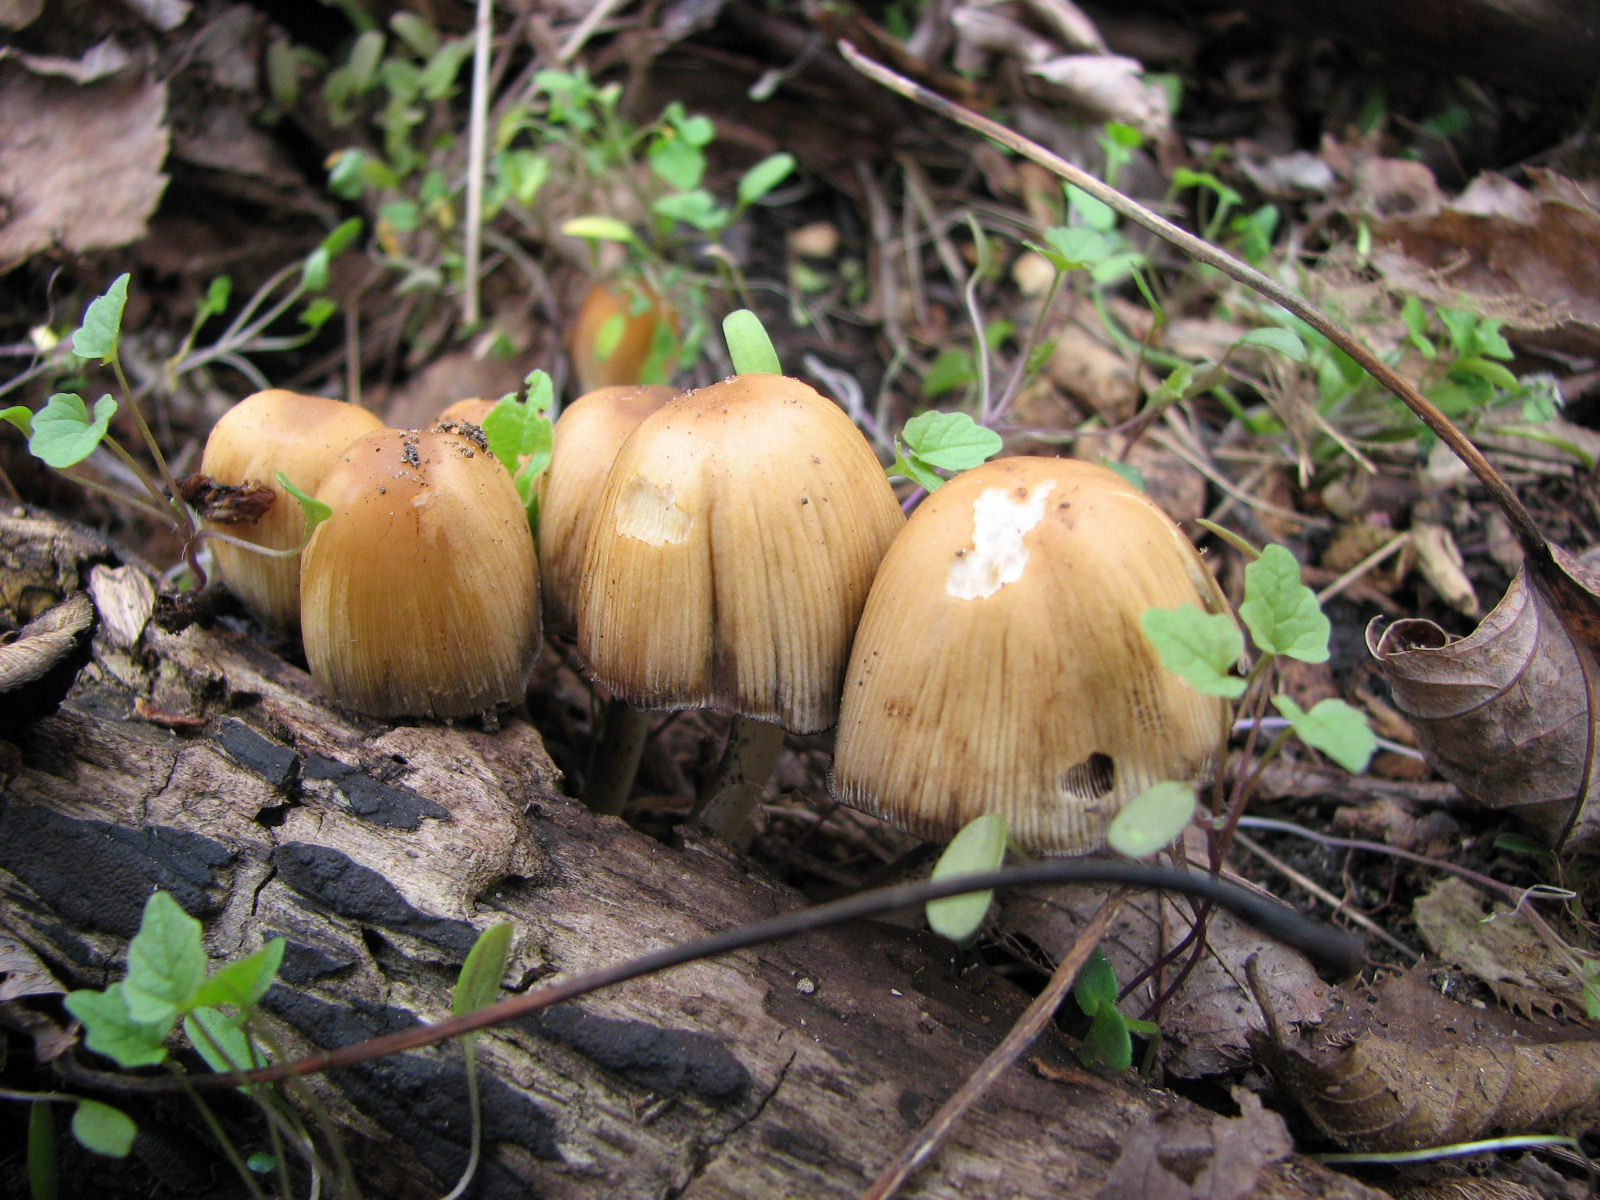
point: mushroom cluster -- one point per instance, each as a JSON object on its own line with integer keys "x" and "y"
{"x": 419, "y": 595}
{"x": 728, "y": 563}
{"x": 737, "y": 547}
{"x": 1000, "y": 666}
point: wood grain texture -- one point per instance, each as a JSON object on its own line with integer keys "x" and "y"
{"x": 199, "y": 762}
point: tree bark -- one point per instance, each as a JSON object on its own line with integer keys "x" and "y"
{"x": 199, "y": 762}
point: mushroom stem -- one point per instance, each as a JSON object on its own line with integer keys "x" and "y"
{"x": 616, "y": 757}
{"x": 747, "y": 763}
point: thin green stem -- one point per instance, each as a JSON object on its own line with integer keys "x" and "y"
{"x": 229, "y": 1150}
{"x": 168, "y": 480}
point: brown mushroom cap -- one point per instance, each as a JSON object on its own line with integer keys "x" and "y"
{"x": 1000, "y": 665}
{"x": 472, "y": 409}
{"x": 626, "y": 311}
{"x": 584, "y": 444}
{"x": 420, "y": 594}
{"x": 736, "y": 539}
{"x": 261, "y": 435}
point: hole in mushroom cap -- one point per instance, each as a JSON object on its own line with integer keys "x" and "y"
{"x": 647, "y": 512}
{"x": 1091, "y": 778}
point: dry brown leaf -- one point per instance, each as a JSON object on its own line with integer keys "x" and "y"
{"x": 1439, "y": 560}
{"x": 1500, "y": 947}
{"x": 1215, "y": 1158}
{"x": 1524, "y": 254}
{"x": 38, "y": 664}
{"x": 1402, "y": 1068}
{"x": 1507, "y": 713}
{"x": 80, "y": 166}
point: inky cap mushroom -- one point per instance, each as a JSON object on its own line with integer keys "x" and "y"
{"x": 737, "y": 536}
{"x": 615, "y": 331}
{"x": 1000, "y": 666}
{"x": 585, "y": 442}
{"x": 420, "y": 594}
{"x": 261, "y": 435}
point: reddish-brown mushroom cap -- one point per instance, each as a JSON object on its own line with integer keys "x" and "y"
{"x": 1000, "y": 665}
{"x": 420, "y": 594}
{"x": 614, "y": 333}
{"x": 737, "y": 536}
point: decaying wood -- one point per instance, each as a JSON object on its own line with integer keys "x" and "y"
{"x": 199, "y": 762}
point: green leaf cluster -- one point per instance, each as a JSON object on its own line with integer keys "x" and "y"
{"x": 521, "y": 435}
{"x": 1284, "y": 619}
{"x": 934, "y": 441}
{"x": 1108, "y": 1043}
{"x": 130, "y": 1021}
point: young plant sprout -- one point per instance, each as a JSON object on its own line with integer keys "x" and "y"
{"x": 419, "y": 596}
{"x": 264, "y": 435}
{"x": 734, "y": 545}
{"x": 1000, "y": 666}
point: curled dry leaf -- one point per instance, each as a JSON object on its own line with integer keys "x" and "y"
{"x": 37, "y": 667}
{"x": 1400, "y": 1067}
{"x": 1507, "y": 713}
{"x": 1500, "y": 947}
{"x": 1215, "y": 1157}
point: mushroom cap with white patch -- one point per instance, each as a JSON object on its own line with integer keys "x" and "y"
{"x": 1000, "y": 665}
{"x": 735, "y": 541}
{"x": 584, "y": 444}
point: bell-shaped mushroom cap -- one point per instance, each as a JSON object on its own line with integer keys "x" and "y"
{"x": 420, "y": 594}
{"x": 472, "y": 409}
{"x": 1000, "y": 665}
{"x": 261, "y": 435}
{"x": 585, "y": 441}
{"x": 736, "y": 539}
{"x": 615, "y": 331}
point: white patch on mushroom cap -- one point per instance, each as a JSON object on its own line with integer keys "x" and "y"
{"x": 1001, "y": 518}
{"x": 647, "y": 512}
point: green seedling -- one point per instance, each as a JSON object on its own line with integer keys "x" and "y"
{"x": 478, "y": 986}
{"x": 980, "y": 845}
{"x": 168, "y": 981}
{"x": 65, "y": 431}
{"x": 521, "y": 434}
{"x": 1108, "y": 1044}
{"x": 1284, "y": 620}
{"x": 935, "y": 442}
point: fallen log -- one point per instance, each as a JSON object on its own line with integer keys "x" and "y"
{"x": 197, "y": 761}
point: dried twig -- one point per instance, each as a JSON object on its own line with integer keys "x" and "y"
{"x": 1022, "y": 1035}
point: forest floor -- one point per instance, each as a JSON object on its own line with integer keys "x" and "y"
{"x": 1451, "y": 220}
